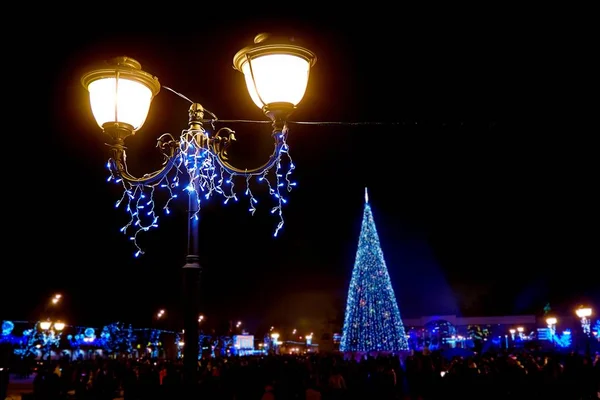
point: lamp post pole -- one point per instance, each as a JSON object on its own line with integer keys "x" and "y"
{"x": 191, "y": 273}
{"x": 584, "y": 313}
{"x": 191, "y": 283}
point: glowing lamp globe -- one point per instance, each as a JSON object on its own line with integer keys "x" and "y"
{"x": 551, "y": 321}
{"x": 120, "y": 94}
{"x": 45, "y": 325}
{"x": 59, "y": 326}
{"x": 583, "y": 312}
{"x": 276, "y": 74}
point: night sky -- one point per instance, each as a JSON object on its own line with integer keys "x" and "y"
{"x": 479, "y": 171}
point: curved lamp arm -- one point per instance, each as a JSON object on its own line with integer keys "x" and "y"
{"x": 168, "y": 146}
{"x": 219, "y": 145}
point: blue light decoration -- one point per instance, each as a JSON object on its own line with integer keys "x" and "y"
{"x": 84, "y": 337}
{"x": 117, "y": 338}
{"x": 372, "y": 321}
{"x": 90, "y": 334}
{"x": 6, "y": 335}
{"x": 154, "y": 343}
{"x": 179, "y": 345}
{"x": 201, "y": 172}
{"x": 205, "y": 342}
{"x": 7, "y": 327}
{"x": 564, "y": 340}
{"x": 36, "y": 340}
{"x": 224, "y": 343}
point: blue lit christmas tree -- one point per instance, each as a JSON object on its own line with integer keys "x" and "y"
{"x": 372, "y": 321}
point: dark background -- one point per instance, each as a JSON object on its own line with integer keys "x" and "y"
{"x": 479, "y": 163}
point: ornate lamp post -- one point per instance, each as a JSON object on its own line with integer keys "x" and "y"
{"x": 276, "y": 75}
{"x": 51, "y": 333}
{"x": 551, "y": 322}
{"x": 275, "y": 342}
{"x": 584, "y": 314}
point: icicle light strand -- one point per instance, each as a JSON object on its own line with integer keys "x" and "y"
{"x": 199, "y": 170}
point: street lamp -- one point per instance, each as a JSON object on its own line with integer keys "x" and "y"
{"x": 275, "y": 341}
{"x": 48, "y": 325}
{"x": 45, "y": 325}
{"x": 51, "y": 333}
{"x": 551, "y": 321}
{"x": 276, "y": 75}
{"x": 56, "y": 298}
{"x": 584, "y": 314}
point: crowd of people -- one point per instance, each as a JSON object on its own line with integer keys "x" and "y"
{"x": 420, "y": 375}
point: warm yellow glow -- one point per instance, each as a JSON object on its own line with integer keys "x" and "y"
{"x": 276, "y": 78}
{"x": 120, "y": 100}
{"x": 583, "y": 312}
{"x": 59, "y": 326}
{"x": 520, "y": 329}
{"x": 512, "y": 331}
{"x": 551, "y": 321}
{"x": 45, "y": 325}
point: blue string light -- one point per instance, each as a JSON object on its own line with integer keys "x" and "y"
{"x": 203, "y": 174}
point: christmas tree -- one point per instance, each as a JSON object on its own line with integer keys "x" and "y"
{"x": 372, "y": 321}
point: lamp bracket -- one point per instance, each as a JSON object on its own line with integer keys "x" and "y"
{"x": 216, "y": 144}
{"x": 168, "y": 146}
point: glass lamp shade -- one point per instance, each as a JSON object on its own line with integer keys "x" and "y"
{"x": 274, "y": 72}
{"x": 45, "y": 325}
{"x": 59, "y": 326}
{"x": 584, "y": 312}
{"x": 121, "y": 93}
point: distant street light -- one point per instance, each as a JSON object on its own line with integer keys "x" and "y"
{"x": 276, "y": 76}
{"x": 49, "y": 325}
{"x": 275, "y": 341}
{"x": 551, "y": 321}
{"x": 584, "y": 314}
